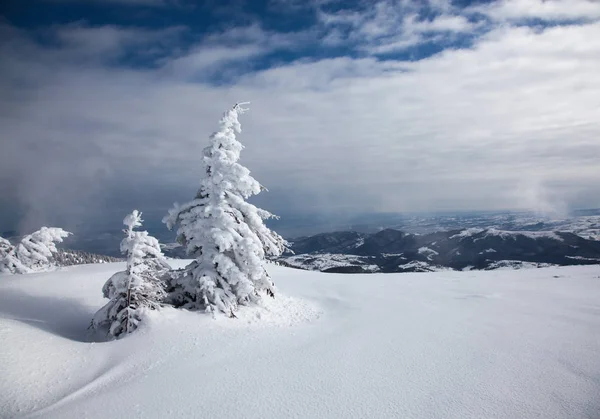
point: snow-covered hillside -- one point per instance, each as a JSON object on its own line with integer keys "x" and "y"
{"x": 484, "y": 344}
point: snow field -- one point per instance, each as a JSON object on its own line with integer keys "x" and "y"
{"x": 478, "y": 344}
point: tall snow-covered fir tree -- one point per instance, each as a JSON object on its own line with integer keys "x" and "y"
{"x": 224, "y": 234}
{"x": 139, "y": 287}
{"x": 34, "y": 253}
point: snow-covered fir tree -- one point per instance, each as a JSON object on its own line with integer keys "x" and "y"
{"x": 224, "y": 234}
{"x": 5, "y": 247}
{"x": 140, "y": 287}
{"x": 34, "y": 253}
{"x": 7, "y": 256}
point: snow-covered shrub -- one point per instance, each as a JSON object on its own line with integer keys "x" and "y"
{"x": 140, "y": 287}
{"x": 223, "y": 233}
{"x": 34, "y": 253}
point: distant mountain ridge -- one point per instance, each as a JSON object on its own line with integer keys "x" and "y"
{"x": 393, "y": 250}
{"x": 105, "y": 239}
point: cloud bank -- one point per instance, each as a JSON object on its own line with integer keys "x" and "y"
{"x": 97, "y": 119}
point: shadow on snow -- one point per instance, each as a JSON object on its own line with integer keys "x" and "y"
{"x": 65, "y": 317}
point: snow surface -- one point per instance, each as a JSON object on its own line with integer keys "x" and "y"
{"x": 479, "y": 344}
{"x": 468, "y": 232}
{"x": 391, "y": 255}
{"x": 426, "y": 251}
{"x": 359, "y": 242}
{"x": 582, "y": 258}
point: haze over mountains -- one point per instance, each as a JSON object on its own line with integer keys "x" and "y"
{"x": 391, "y": 242}
{"x": 457, "y": 241}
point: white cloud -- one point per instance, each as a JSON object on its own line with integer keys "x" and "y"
{"x": 542, "y": 9}
{"x": 203, "y": 63}
{"x": 389, "y": 26}
{"x": 442, "y": 23}
{"x": 231, "y": 52}
{"x": 254, "y": 34}
{"x": 463, "y": 129}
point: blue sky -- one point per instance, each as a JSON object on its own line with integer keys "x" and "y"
{"x": 378, "y": 106}
{"x": 316, "y": 30}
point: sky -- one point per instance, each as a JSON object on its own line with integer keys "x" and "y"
{"x": 356, "y": 106}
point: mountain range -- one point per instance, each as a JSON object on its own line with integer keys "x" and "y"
{"x": 391, "y": 250}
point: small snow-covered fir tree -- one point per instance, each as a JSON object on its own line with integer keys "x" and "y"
{"x": 35, "y": 251}
{"x": 224, "y": 234}
{"x": 140, "y": 287}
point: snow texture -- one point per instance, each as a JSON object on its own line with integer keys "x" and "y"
{"x": 481, "y": 344}
{"x": 223, "y": 233}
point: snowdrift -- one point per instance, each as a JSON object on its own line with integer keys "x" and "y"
{"x": 479, "y": 344}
